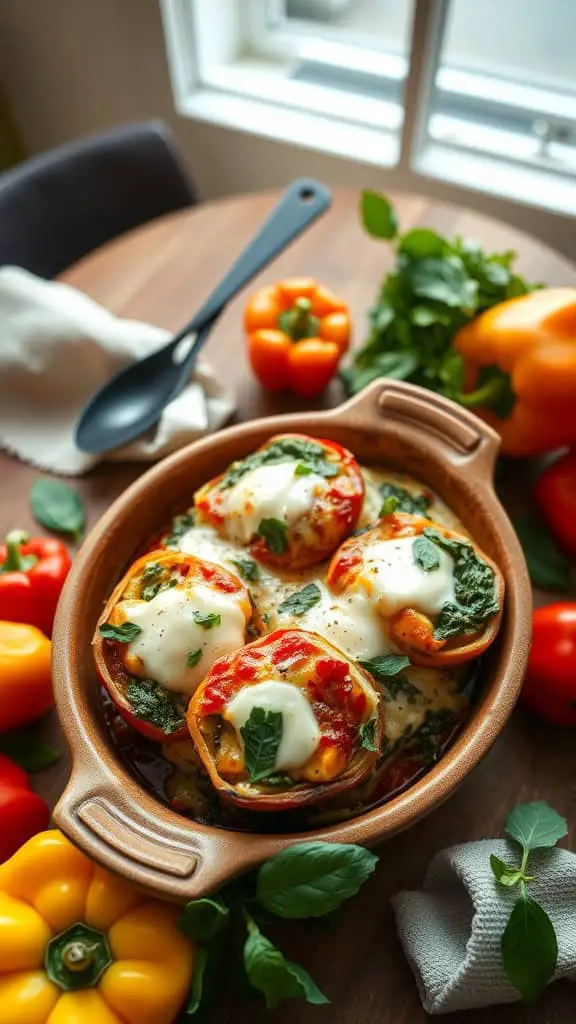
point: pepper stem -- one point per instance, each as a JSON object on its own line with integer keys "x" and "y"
{"x": 488, "y": 395}
{"x": 298, "y": 321}
{"x": 77, "y": 958}
{"x": 15, "y": 561}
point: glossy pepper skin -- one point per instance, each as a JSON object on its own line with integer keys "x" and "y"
{"x": 32, "y": 574}
{"x": 530, "y": 339}
{"x": 25, "y": 674}
{"x": 22, "y": 812}
{"x": 297, "y": 331}
{"x": 555, "y": 495}
{"x": 48, "y": 887}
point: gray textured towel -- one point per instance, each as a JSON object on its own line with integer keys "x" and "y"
{"x": 450, "y": 931}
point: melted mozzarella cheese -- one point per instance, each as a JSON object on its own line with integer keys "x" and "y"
{"x": 300, "y": 731}
{"x": 391, "y": 576}
{"x": 170, "y": 633}
{"x": 349, "y": 621}
{"x": 269, "y": 492}
{"x": 205, "y": 543}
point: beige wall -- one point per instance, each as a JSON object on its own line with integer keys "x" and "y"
{"x": 70, "y": 67}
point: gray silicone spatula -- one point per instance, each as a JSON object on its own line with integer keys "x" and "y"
{"x": 133, "y": 400}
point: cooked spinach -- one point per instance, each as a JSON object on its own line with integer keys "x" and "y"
{"x": 274, "y": 532}
{"x": 474, "y": 590}
{"x": 247, "y": 568}
{"x": 415, "y": 504}
{"x": 301, "y": 601}
{"x": 180, "y": 525}
{"x": 387, "y": 670}
{"x": 123, "y": 634}
{"x": 367, "y": 735}
{"x": 311, "y": 457}
{"x": 428, "y": 737}
{"x": 150, "y": 701}
{"x": 425, "y": 554}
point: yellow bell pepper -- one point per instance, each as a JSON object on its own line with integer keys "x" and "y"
{"x": 80, "y": 946}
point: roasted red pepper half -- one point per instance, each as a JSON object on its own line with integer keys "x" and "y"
{"x": 32, "y": 574}
{"x": 555, "y": 494}
{"x": 22, "y": 812}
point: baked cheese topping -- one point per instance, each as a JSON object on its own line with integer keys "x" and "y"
{"x": 300, "y": 730}
{"x": 272, "y": 491}
{"x": 177, "y": 624}
{"x": 391, "y": 577}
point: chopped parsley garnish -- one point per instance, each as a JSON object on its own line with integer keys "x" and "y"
{"x": 180, "y": 525}
{"x": 301, "y": 600}
{"x": 150, "y": 701}
{"x": 206, "y": 619}
{"x": 367, "y": 735}
{"x": 193, "y": 658}
{"x": 121, "y": 634}
{"x": 416, "y": 504}
{"x": 308, "y": 454}
{"x": 261, "y": 735}
{"x": 474, "y": 590}
{"x": 151, "y": 570}
{"x": 425, "y": 554}
{"x": 274, "y": 532}
{"x": 247, "y": 568}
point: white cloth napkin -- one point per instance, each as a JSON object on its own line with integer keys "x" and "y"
{"x": 450, "y": 931}
{"x": 57, "y": 347}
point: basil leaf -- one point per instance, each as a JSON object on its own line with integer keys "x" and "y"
{"x": 247, "y": 568}
{"x": 378, "y": 216}
{"x": 425, "y": 554}
{"x": 302, "y": 469}
{"x": 421, "y": 243}
{"x": 197, "y": 989}
{"x": 309, "y": 453}
{"x": 529, "y": 948}
{"x": 385, "y": 665}
{"x": 408, "y": 501}
{"x": 261, "y": 735}
{"x": 151, "y": 702}
{"x": 122, "y": 634}
{"x": 301, "y": 601}
{"x": 536, "y": 825}
{"x": 204, "y": 918}
{"x": 274, "y": 532}
{"x": 180, "y": 525}
{"x": 313, "y": 879}
{"x": 57, "y": 506}
{"x": 273, "y": 975}
{"x": 206, "y": 619}
{"x": 367, "y": 735}
{"x": 26, "y": 749}
{"x": 548, "y": 568}
{"x": 193, "y": 658}
{"x": 474, "y": 589}
{"x": 504, "y": 873}
{"x": 389, "y": 506}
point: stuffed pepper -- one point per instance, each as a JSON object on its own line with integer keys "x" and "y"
{"x": 286, "y": 722}
{"x": 167, "y": 621}
{"x": 292, "y": 502}
{"x": 439, "y": 597}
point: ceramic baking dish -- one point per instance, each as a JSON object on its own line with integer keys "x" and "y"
{"x": 104, "y": 809}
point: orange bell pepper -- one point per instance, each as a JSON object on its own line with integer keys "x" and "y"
{"x": 297, "y": 331}
{"x": 25, "y": 676}
{"x": 520, "y": 370}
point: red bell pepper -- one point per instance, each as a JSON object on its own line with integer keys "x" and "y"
{"x": 22, "y": 812}
{"x": 32, "y": 574}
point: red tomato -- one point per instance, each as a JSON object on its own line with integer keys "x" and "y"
{"x": 550, "y": 684}
{"x": 22, "y": 812}
{"x": 555, "y": 494}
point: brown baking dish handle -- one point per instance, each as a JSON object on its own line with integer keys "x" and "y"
{"x": 424, "y": 419}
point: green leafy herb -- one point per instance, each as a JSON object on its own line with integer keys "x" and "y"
{"x": 151, "y": 571}
{"x": 193, "y": 658}
{"x": 153, "y": 575}
{"x": 247, "y": 568}
{"x": 160, "y": 707}
{"x": 529, "y": 945}
{"x": 274, "y": 532}
{"x": 261, "y": 735}
{"x": 432, "y": 732}
{"x": 313, "y": 879}
{"x": 26, "y": 749}
{"x": 277, "y": 978}
{"x": 387, "y": 670}
{"x": 303, "y": 469}
{"x": 425, "y": 554}
{"x": 389, "y": 506}
{"x": 436, "y": 286}
{"x": 549, "y": 569}
{"x": 196, "y": 999}
{"x": 206, "y": 619}
{"x": 474, "y": 590}
{"x": 150, "y": 591}
{"x": 408, "y": 501}
{"x": 180, "y": 525}
{"x": 204, "y": 918}
{"x": 306, "y": 453}
{"x": 301, "y": 601}
{"x": 121, "y": 634}
{"x": 367, "y": 735}
{"x": 58, "y": 507}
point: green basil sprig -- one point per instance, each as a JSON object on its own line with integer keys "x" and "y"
{"x": 57, "y": 506}
{"x": 261, "y": 735}
{"x": 529, "y": 945}
{"x": 308, "y": 880}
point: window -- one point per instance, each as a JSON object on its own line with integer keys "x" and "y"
{"x": 480, "y": 93}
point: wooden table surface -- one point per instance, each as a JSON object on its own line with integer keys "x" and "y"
{"x": 161, "y": 273}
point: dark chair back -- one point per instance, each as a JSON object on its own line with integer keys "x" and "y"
{"x": 59, "y": 206}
